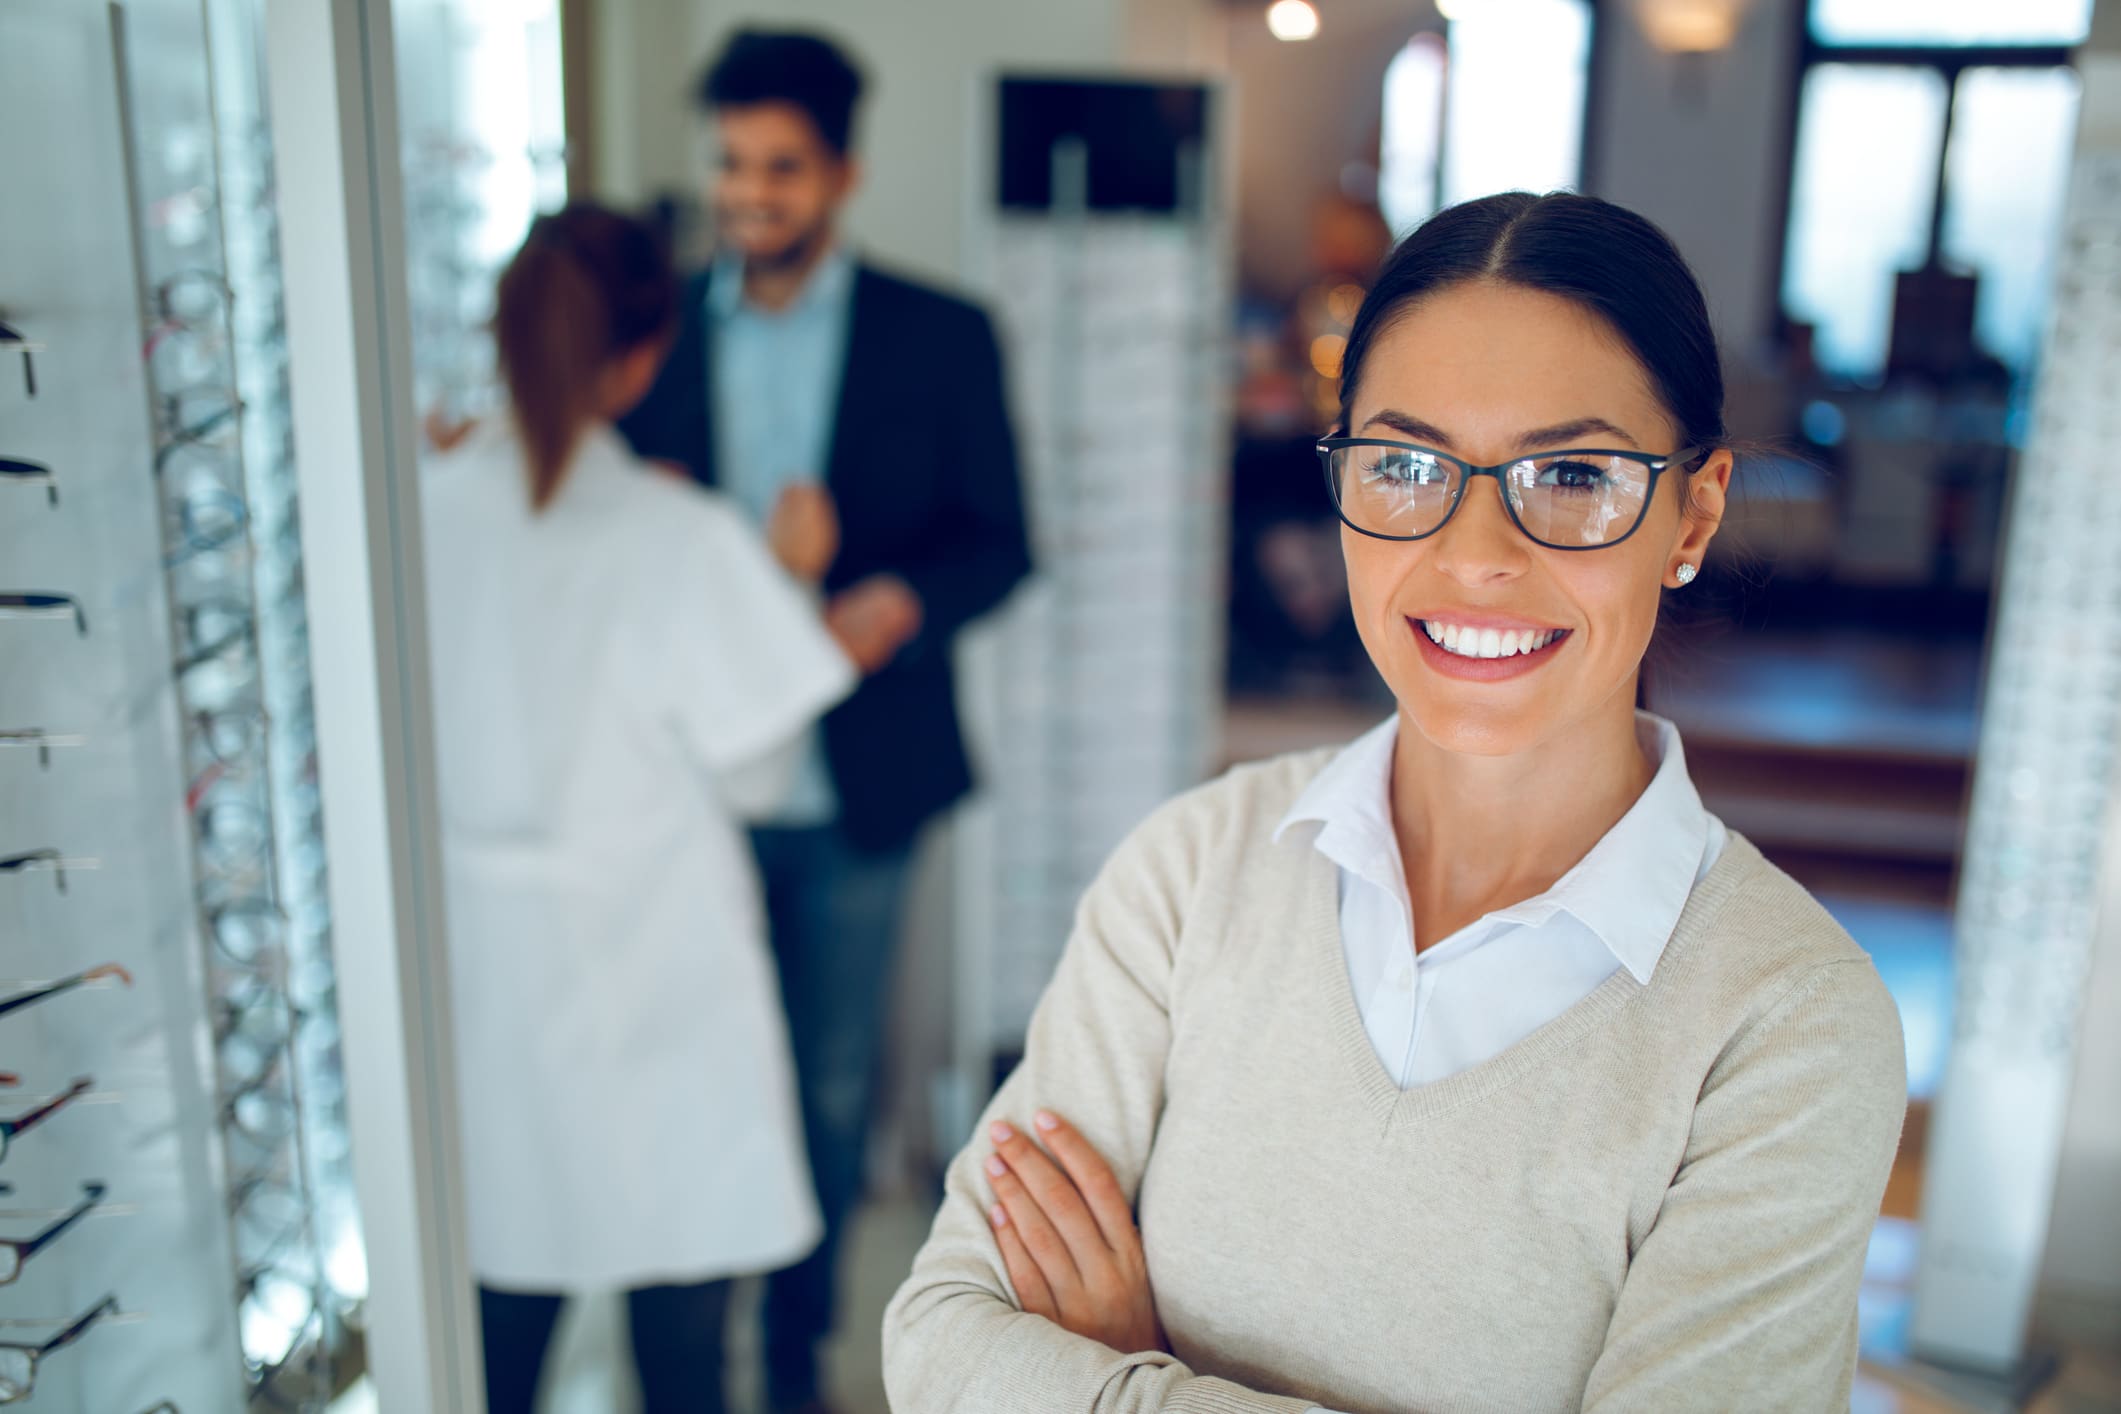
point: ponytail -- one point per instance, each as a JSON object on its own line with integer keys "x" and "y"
{"x": 588, "y": 287}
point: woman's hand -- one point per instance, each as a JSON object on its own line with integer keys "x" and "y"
{"x": 1068, "y": 1238}
{"x": 873, "y": 620}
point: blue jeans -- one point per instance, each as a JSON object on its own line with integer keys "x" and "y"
{"x": 834, "y": 915}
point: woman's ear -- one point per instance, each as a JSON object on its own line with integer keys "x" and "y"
{"x": 1703, "y": 495}
{"x": 628, "y": 377}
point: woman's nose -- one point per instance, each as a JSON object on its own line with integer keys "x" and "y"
{"x": 1480, "y": 544}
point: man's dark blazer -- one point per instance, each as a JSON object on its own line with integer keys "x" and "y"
{"x": 923, "y": 470}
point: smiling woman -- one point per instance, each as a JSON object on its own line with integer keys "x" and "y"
{"x": 1475, "y": 1066}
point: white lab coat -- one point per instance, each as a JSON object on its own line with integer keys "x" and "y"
{"x": 626, "y": 1096}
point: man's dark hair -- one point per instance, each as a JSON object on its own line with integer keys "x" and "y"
{"x": 787, "y": 66}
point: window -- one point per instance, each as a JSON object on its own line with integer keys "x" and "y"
{"x": 1860, "y": 211}
{"x": 1494, "y": 104}
{"x": 1966, "y": 111}
{"x": 1950, "y": 22}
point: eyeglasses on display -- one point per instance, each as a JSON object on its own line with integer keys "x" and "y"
{"x": 43, "y": 740}
{"x": 16, "y": 1252}
{"x": 18, "y": 1363}
{"x": 28, "y": 473}
{"x": 22, "y": 1123}
{"x": 65, "y": 984}
{"x": 211, "y": 629}
{"x": 21, "y": 604}
{"x": 11, "y": 337}
{"x": 1576, "y": 499}
{"x": 46, "y": 858}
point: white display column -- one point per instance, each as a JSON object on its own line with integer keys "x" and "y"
{"x": 2043, "y": 828}
{"x": 1096, "y": 695}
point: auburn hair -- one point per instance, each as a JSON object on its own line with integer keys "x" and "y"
{"x": 588, "y": 286}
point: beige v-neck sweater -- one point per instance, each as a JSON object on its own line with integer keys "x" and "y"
{"x": 1658, "y": 1201}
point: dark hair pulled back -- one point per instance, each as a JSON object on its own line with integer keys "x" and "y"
{"x": 1603, "y": 257}
{"x": 588, "y": 286}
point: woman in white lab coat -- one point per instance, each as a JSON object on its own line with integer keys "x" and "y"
{"x": 614, "y": 653}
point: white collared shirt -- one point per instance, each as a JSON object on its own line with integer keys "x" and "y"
{"x": 1497, "y": 980}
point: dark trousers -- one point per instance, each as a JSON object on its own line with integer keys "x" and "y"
{"x": 677, "y": 1345}
{"x": 834, "y": 914}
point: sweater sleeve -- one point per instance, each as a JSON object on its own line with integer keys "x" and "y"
{"x": 955, "y": 1341}
{"x": 1743, "y": 1294}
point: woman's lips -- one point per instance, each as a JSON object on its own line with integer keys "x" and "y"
{"x": 1485, "y": 654}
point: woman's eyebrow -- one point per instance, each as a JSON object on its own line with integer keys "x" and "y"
{"x": 1412, "y": 426}
{"x": 1559, "y": 433}
{"x": 1570, "y": 432}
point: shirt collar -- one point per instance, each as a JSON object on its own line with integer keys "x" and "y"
{"x": 1352, "y": 799}
{"x": 1629, "y": 890}
{"x": 828, "y": 284}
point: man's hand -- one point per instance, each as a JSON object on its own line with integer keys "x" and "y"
{"x": 1068, "y": 1239}
{"x": 873, "y": 620}
{"x": 804, "y": 531}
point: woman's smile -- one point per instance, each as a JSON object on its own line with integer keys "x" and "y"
{"x": 1480, "y": 648}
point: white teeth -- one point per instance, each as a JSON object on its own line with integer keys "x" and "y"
{"x": 1488, "y": 642}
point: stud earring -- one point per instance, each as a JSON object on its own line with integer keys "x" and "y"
{"x": 1685, "y": 574}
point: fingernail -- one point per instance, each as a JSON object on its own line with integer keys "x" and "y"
{"x": 1047, "y": 1120}
{"x": 998, "y": 1215}
{"x": 995, "y": 1166}
{"x": 1001, "y": 1132}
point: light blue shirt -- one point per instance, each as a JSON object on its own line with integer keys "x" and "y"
{"x": 775, "y": 385}
{"x": 1495, "y": 981}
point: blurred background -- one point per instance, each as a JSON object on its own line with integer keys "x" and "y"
{"x": 1903, "y": 681}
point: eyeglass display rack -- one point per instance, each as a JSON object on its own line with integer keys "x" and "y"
{"x": 1095, "y": 695}
{"x": 2044, "y": 825}
{"x": 483, "y": 150}
{"x": 176, "y": 782}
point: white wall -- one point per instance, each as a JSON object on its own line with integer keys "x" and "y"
{"x": 1305, "y": 111}
{"x": 1696, "y": 144}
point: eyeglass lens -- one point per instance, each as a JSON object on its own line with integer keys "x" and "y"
{"x": 1573, "y": 501}
{"x": 18, "y": 1363}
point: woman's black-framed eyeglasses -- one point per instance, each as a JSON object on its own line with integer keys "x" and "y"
{"x": 15, "y": 1252}
{"x": 18, "y": 1363}
{"x": 1574, "y": 499}
{"x": 64, "y": 984}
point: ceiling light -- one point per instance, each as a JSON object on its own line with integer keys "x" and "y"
{"x": 1292, "y": 19}
{"x": 1690, "y": 26}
